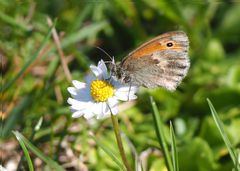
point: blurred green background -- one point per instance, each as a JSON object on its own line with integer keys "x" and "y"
{"x": 118, "y": 26}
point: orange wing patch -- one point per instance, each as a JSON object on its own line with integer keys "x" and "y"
{"x": 148, "y": 49}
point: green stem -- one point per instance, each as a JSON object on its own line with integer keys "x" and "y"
{"x": 160, "y": 135}
{"x": 119, "y": 142}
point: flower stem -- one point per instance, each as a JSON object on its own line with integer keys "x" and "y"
{"x": 119, "y": 142}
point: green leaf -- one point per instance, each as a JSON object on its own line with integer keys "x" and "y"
{"x": 160, "y": 135}
{"x": 219, "y": 125}
{"x": 20, "y": 140}
{"x": 38, "y": 152}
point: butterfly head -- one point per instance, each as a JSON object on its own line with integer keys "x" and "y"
{"x": 118, "y": 72}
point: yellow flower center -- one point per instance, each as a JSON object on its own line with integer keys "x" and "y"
{"x": 101, "y": 90}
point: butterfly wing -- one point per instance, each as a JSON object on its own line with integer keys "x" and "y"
{"x": 161, "y": 62}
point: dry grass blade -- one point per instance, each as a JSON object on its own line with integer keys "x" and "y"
{"x": 60, "y": 51}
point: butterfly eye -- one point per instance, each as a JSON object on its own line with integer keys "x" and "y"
{"x": 169, "y": 44}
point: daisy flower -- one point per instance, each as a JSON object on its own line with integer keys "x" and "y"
{"x": 99, "y": 96}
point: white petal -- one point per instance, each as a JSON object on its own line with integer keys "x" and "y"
{"x": 72, "y": 101}
{"x": 78, "y": 105}
{"x": 77, "y": 114}
{"x": 114, "y": 110}
{"x": 96, "y": 108}
{"x": 72, "y": 90}
{"x": 88, "y": 114}
{"x": 112, "y": 102}
{"x": 127, "y": 88}
{"x": 122, "y": 96}
{"x": 78, "y": 84}
{"x": 102, "y": 66}
{"x": 134, "y": 88}
{"x": 100, "y": 109}
{"x": 89, "y": 78}
{"x": 132, "y": 97}
{"x": 97, "y": 71}
{"x": 77, "y": 108}
{"x": 83, "y": 95}
{"x": 125, "y": 96}
{"x": 104, "y": 110}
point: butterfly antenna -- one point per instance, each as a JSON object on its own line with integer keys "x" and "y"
{"x": 104, "y": 52}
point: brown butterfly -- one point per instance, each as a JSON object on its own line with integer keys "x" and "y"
{"x": 160, "y": 62}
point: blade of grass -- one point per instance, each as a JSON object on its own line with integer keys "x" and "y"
{"x": 31, "y": 59}
{"x": 174, "y": 149}
{"x": 36, "y": 128}
{"x": 160, "y": 135}
{"x": 38, "y": 153}
{"x": 110, "y": 154}
{"x": 219, "y": 125}
{"x": 25, "y": 151}
{"x": 60, "y": 51}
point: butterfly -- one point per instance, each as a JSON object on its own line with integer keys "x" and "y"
{"x": 160, "y": 62}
